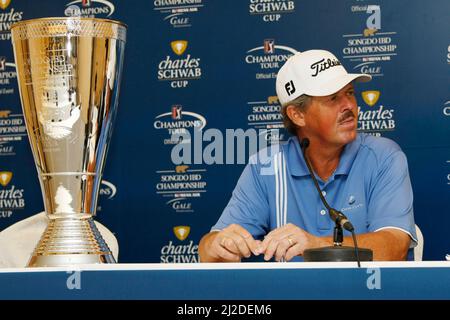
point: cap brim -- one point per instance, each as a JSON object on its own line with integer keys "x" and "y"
{"x": 338, "y": 83}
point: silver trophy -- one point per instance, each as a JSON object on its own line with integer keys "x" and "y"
{"x": 69, "y": 71}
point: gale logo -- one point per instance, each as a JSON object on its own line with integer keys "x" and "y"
{"x": 5, "y": 178}
{"x": 178, "y": 12}
{"x": 371, "y": 97}
{"x": 89, "y": 8}
{"x": 181, "y": 232}
{"x": 180, "y": 205}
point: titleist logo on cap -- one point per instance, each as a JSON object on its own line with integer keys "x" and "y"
{"x": 323, "y": 65}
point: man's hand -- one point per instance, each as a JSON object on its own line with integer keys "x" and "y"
{"x": 289, "y": 241}
{"x": 229, "y": 245}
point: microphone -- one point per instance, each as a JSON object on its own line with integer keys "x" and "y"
{"x": 335, "y": 215}
{"x": 336, "y": 252}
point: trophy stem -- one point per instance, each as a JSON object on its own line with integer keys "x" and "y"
{"x": 70, "y": 242}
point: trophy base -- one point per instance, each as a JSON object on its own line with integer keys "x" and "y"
{"x": 68, "y": 242}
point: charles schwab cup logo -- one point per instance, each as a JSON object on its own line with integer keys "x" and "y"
{"x": 8, "y": 76}
{"x": 89, "y": 8}
{"x": 180, "y": 253}
{"x": 271, "y": 10}
{"x": 375, "y": 120}
{"x": 368, "y": 50}
{"x": 181, "y": 69}
{"x": 11, "y": 197}
{"x": 268, "y": 58}
{"x": 8, "y": 15}
{"x": 265, "y": 115}
{"x": 178, "y": 13}
{"x": 178, "y": 121}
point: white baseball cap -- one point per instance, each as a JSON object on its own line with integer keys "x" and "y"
{"x": 316, "y": 73}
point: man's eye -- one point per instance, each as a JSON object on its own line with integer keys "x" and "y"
{"x": 351, "y": 93}
{"x": 333, "y": 98}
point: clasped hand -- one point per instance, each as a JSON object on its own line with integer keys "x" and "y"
{"x": 235, "y": 242}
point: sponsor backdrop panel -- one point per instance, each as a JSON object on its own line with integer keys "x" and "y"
{"x": 202, "y": 67}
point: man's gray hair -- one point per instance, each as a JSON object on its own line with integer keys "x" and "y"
{"x": 300, "y": 103}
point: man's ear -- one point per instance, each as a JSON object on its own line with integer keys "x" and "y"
{"x": 296, "y": 116}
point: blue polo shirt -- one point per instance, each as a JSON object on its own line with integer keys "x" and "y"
{"x": 371, "y": 186}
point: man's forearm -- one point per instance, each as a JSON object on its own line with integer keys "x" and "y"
{"x": 386, "y": 244}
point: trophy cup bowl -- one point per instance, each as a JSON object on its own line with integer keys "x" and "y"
{"x": 69, "y": 70}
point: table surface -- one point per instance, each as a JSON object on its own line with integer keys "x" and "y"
{"x": 231, "y": 281}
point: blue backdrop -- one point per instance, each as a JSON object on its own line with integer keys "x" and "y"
{"x": 212, "y": 64}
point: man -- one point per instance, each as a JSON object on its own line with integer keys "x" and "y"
{"x": 279, "y": 215}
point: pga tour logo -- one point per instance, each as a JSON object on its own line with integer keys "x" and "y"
{"x": 89, "y": 8}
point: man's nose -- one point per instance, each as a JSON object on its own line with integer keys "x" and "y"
{"x": 348, "y": 103}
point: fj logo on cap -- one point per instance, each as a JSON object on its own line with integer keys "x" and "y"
{"x": 290, "y": 88}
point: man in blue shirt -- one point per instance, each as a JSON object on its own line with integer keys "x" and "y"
{"x": 275, "y": 209}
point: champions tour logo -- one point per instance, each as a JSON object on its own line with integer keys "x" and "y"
{"x": 11, "y": 198}
{"x": 178, "y": 121}
{"x": 271, "y": 10}
{"x": 8, "y": 16}
{"x": 372, "y": 47}
{"x": 178, "y": 11}
{"x": 8, "y": 76}
{"x": 180, "y": 253}
{"x": 89, "y": 8}
{"x": 179, "y": 71}
{"x": 376, "y": 119}
{"x": 268, "y": 58}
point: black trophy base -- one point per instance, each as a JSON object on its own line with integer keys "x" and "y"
{"x": 337, "y": 253}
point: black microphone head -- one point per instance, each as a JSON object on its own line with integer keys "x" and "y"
{"x": 304, "y": 143}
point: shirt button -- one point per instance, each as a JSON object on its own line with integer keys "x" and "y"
{"x": 323, "y": 212}
{"x": 324, "y": 193}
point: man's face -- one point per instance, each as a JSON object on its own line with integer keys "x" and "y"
{"x": 332, "y": 119}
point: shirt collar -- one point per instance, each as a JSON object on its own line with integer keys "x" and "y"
{"x": 297, "y": 165}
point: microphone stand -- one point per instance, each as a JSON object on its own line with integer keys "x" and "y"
{"x": 337, "y": 252}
